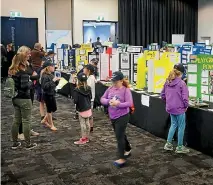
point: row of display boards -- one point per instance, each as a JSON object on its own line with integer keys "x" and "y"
{"x": 149, "y": 68}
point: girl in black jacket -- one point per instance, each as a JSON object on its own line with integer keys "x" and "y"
{"x": 82, "y": 99}
{"x": 48, "y": 85}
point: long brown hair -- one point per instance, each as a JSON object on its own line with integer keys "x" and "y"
{"x": 82, "y": 84}
{"x": 19, "y": 62}
{"x": 126, "y": 83}
{"x": 173, "y": 74}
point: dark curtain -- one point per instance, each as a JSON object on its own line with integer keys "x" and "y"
{"x": 19, "y": 31}
{"x": 142, "y": 22}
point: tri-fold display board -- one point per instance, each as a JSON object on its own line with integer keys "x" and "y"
{"x": 128, "y": 62}
{"x": 200, "y": 77}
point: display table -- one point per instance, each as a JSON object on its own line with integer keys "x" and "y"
{"x": 156, "y": 120}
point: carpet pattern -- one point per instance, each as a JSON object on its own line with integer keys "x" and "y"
{"x": 57, "y": 161}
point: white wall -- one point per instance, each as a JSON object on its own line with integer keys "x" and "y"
{"x": 90, "y": 10}
{"x": 28, "y": 9}
{"x": 205, "y": 19}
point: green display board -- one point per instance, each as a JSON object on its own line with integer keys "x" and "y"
{"x": 200, "y": 77}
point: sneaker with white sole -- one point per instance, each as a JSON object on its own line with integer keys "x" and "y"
{"x": 31, "y": 146}
{"x": 81, "y": 141}
{"x": 168, "y": 146}
{"x": 127, "y": 153}
{"x": 182, "y": 150}
{"x": 33, "y": 133}
{"x": 16, "y": 145}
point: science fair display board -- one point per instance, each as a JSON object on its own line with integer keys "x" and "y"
{"x": 200, "y": 77}
{"x": 104, "y": 66}
{"x": 82, "y": 55}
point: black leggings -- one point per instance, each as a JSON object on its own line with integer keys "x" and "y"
{"x": 32, "y": 92}
{"x": 119, "y": 126}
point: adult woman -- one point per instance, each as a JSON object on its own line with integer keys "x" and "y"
{"x": 33, "y": 76}
{"x": 21, "y": 102}
{"x": 119, "y": 99}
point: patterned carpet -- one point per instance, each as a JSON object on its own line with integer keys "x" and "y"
{"x": 57, "y": 161}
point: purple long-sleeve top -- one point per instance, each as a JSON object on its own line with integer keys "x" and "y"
{"x": 122, "y": 94}
{"x": 176, "y": 95}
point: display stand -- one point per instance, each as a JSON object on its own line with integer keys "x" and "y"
{"x": 200, "y": 78}
{"x": 54, "y": 49}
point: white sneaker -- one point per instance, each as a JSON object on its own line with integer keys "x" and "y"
{"x": 33, "y": 133}
{"x": 21, "y": 137}
{"x": 126, "y": 154}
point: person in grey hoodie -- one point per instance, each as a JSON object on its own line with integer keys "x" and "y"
{"x": 176, "y": 95}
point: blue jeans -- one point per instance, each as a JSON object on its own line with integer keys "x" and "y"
{"x": 177, "y": 121}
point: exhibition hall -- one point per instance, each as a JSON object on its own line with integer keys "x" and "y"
{"x": 113, "y": 92}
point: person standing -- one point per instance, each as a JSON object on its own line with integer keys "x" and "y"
{"x": 37, "y": 55}
{"x": 118, "y": 98}
{"x": 176, "y": 95}
{"x": 48, "y": 85}
{"x": 82, "y": 99}
{"x": 21, "y": 102}
{"x": 10, "y": 55}
{"x": 89, "y": 71}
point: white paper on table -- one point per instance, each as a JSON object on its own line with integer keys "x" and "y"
{"x": 61, "y": 83}
{"x": 192, "y": 91}
{"x": 192, "y": 68}
{"x": 205, "y": 81}
{"x": 145, "y": 100}
{"x": 205, "y": 89}
{"x": 205, "y": 97}
{"x": 192, "y": 78}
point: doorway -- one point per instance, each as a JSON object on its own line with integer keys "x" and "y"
{"x": 106, "y": 30}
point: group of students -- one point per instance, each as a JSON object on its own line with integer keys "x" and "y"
{"x": 117, "y": 98}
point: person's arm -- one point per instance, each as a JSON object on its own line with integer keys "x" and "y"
{"x": 128, "y": 101}
{"x": 185, "y": 95}
{"x": 104, "y": 98}
{"x": 25, "y": 82}
{"x": 163, "y": 95}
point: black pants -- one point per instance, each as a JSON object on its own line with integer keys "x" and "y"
{"x": 119, "y": 126}
{"x": 32, "y": 93}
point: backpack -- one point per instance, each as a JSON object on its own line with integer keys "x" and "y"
{"x": 9, "y": 88}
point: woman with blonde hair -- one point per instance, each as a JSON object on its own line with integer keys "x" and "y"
{"x": 21, "y": 102}
{"x": 34, "y": 77}
{"x": 119, "y": 100}
{"x": 176, "y": 95}
{"x": 48, "y": 85}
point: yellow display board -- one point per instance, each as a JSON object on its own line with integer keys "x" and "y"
{"x": 161, "y": 69}
{"x": 82, "y": 55}
{"x": 173, "y": 57}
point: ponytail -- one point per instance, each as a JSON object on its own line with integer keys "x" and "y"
{"x": 126, "y": 83}
{"x": 173, "y": 74}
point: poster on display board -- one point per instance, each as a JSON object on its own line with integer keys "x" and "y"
{"x": 104, "y": 66}
{"x": 124, "y": 61}
{"x": 200, "y": 77}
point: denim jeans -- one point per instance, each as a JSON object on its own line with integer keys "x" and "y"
{"x": 177, "y": 121}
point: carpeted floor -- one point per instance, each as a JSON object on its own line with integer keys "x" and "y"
{"x": 57, "y": 161}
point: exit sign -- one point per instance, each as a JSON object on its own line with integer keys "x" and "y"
{"x": 100, "y": 18}
{"x": 15, "y": 14}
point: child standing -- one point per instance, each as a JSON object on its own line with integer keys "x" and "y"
{"x": 48, "y": 84}
{"x": 82, "y": 99}
{"x": 176, "y": 95}
{"x": 119, "y": 99}
{"x": 89, "y": 71}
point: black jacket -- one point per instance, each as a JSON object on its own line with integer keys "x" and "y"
{"x": 82, "y": 98}
{"x": 47, "y": 84}
{"x": 22, "y": 84}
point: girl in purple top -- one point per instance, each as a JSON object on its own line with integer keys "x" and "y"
{"x": 176, "y": 95}
{"x": 119, "y": 99}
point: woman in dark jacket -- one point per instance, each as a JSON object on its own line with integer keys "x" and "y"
{"x": 21, "y": 102}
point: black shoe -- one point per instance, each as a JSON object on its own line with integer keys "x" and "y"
{"x": 31, "y": 146}
{"x": 91, "y": 129}
{"x": 16, "y": 145}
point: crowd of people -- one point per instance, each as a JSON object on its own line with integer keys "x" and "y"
{"x": 33, "y": 73}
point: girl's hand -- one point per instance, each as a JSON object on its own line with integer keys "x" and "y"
{"x": 56, "y": 79}
{"x": 34, "y": 73}
{"x": 114, "y": 103}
